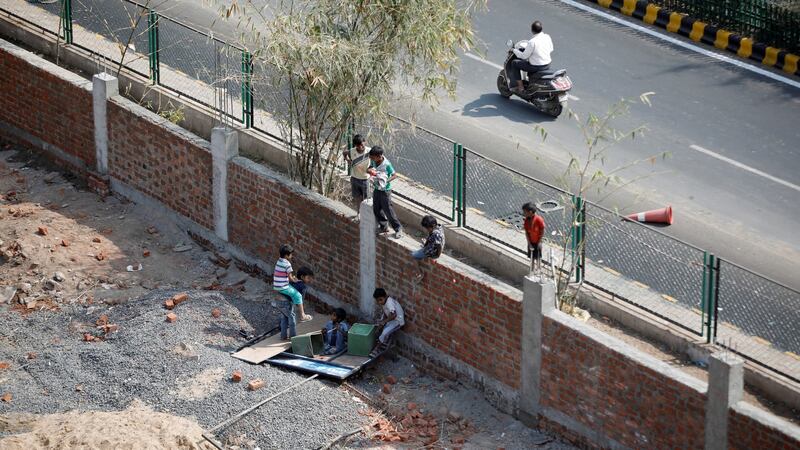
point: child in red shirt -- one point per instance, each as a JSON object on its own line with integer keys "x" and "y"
{"x": 534, "y": 229}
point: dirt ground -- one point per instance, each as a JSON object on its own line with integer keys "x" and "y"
{"x": 88, "y": 359}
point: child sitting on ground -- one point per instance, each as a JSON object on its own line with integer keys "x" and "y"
{"x": 391, "y": 320}
{"x": 334, "y": 335}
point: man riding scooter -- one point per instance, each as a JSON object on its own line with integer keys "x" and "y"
{"x": 535, "y": 57}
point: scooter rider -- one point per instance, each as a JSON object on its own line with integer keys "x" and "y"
{"x": 534, "y": 58}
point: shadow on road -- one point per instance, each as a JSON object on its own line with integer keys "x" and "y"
{"x": 491, "y": 105}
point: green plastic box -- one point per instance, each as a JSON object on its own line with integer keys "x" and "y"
{"x": 307, "y": 344}
{"x": 361, "y": 339}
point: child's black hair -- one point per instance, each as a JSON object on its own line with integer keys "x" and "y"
{"x": 358, "y": 140}
{"x": 429, "y": 221}
{"x": 376, "y": 151}
{"x": 340, "y": 314}
{"x": 379, "y": 292}
{"x": 304, "y": 272}
{"x": 529, "y": 207}
{"x": 286, "y": 250}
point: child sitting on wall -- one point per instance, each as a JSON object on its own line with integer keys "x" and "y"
{"x": 334, "y": 335}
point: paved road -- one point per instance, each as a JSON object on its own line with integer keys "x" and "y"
{"x": 733, "y": 176}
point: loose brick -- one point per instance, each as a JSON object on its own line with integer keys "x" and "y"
{"x": 88, "y": 337}
{"x": 102, "y": 320}
{"x": 216, "y": 313}
{"x": 386, "y": 389}
{"x": 236, "y": 376}
{"x": 96, "y": 240}
{"x": 391, "y": 379}
{"x": 7, "y": 397}
{"x": 256, "y": 384}
{"x": 31, "y": 355}
{"x": 177, "y": 299}
{"x": 146, "y": 253}
{"x": 411, "y": 406}
{"x": 4, "y": 365}
{"x": 169, "y": 304}
{"x": 171, "y": 317}
{"x": 64, "y": 243}
{"x": 42, "y": 231}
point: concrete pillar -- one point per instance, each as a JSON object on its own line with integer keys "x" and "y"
{"x": 224, "y": 147}
{"x": 104, "y": 86}
{"x": 538, "y": 299}
{"x": 366, "y": 262}
{"x": 725, "y": 389}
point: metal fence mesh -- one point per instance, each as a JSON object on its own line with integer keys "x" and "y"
{"x": 494, "y": 196}
{"x": 120, "y": 26}
{"x": 759, "y": 307}
{"x": 672, "y": 269}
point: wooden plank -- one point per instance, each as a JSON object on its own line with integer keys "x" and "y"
{"x": 273, "y": 345}
{"x": 350, "y": 360}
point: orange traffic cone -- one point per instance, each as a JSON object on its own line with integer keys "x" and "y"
{"x": 663, "y": 215}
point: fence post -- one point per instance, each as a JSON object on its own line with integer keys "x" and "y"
{"x": 224, "y": 147}
{"x": 710, "y": 295}
{"x": 725, "y": 389}
{"x": 152, "y": 44}
{"x": 455, "y": 184}
{"x": 538, "y": 300}
{"x": 463, "y": 185}
{"x": 247, "y": 89}
{"x": 578, "y": 230}
{"x": 66, "y": 20}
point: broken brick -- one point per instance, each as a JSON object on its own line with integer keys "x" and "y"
{"x": 103, "y": 320}
{"x": 6, "y": 397}
{"x": 411, "y": 406}
{"x": 100, "y": 256}
{"x": 171, "y": 317}
{"x": 64, "y": 243}
{"x": 457, "y": 439}
{"x": 4, "y": 365}
{"x": 236, "y": 376}
{"x": 169, "y": 304}
{"x": 408, "y": 422}
{"x": 177, "y": 299}
{"x": 42, "y": 231}
{"x": 152, "y": 230}
{"x": 88, "y": 337}
{"x": 110, "y": 328}
{"x": 96, "y": 240}
{"x": 391, "y": 379}
{"x": 146, "y": 253}
{"x": 387, "y": 389}
{"x": 256, "y": 384}
{"x": 31, "y": 355}
{"x": 215, "y": 313}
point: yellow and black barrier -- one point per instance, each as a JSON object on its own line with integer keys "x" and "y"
{"x": 702, "y": 32}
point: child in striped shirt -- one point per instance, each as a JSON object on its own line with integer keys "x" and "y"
{"x": 282, "y": 279}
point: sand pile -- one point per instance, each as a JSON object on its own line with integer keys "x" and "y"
{"x": 137, "y": 427}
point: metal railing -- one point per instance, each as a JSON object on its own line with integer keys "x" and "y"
{"x": 707, "y": 296}
{"x": 773, "y": 22}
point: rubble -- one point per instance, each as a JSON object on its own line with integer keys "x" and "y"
{"x": 255, "y": 384}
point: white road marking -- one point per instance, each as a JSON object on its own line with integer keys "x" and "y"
{"x": 499, "y": 67}
{"x": 485, "y": 61}
{"x": 680, "y": 43}
{"x": 744, "y": 166}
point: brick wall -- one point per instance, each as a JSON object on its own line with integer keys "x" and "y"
{"x": 620, "y": 397}
{"x": 745, "y": 432}
{"x": 455, "y": 312}
{"x": 266, "y": 211}
{"x": 161, "y": 160}
{"x": 49, "y": 103}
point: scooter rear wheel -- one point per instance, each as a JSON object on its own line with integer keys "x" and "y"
{"x": 555, "y": 111}
{"x": 502, "y": 86}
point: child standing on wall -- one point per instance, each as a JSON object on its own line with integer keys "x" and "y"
{"x": 282, "y": 277}
{"x": 334, "y": 335}
{"x": 392, "y": 319}
{"x": 534, "y": 229}
{"x": 382, "y": 173}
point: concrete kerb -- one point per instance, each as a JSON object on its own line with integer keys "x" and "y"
{"x": 699, "y": 31}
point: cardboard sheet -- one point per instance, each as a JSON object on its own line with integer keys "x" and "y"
{"x": 271, "y": 346}
{"x": 350, "y": 360}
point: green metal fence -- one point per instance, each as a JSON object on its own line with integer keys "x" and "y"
{"x": 772, "y": 22}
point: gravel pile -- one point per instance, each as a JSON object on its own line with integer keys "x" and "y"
{"x": 181, "y": 368}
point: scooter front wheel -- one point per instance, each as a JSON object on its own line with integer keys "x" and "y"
{"x": 502, "y": 85}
